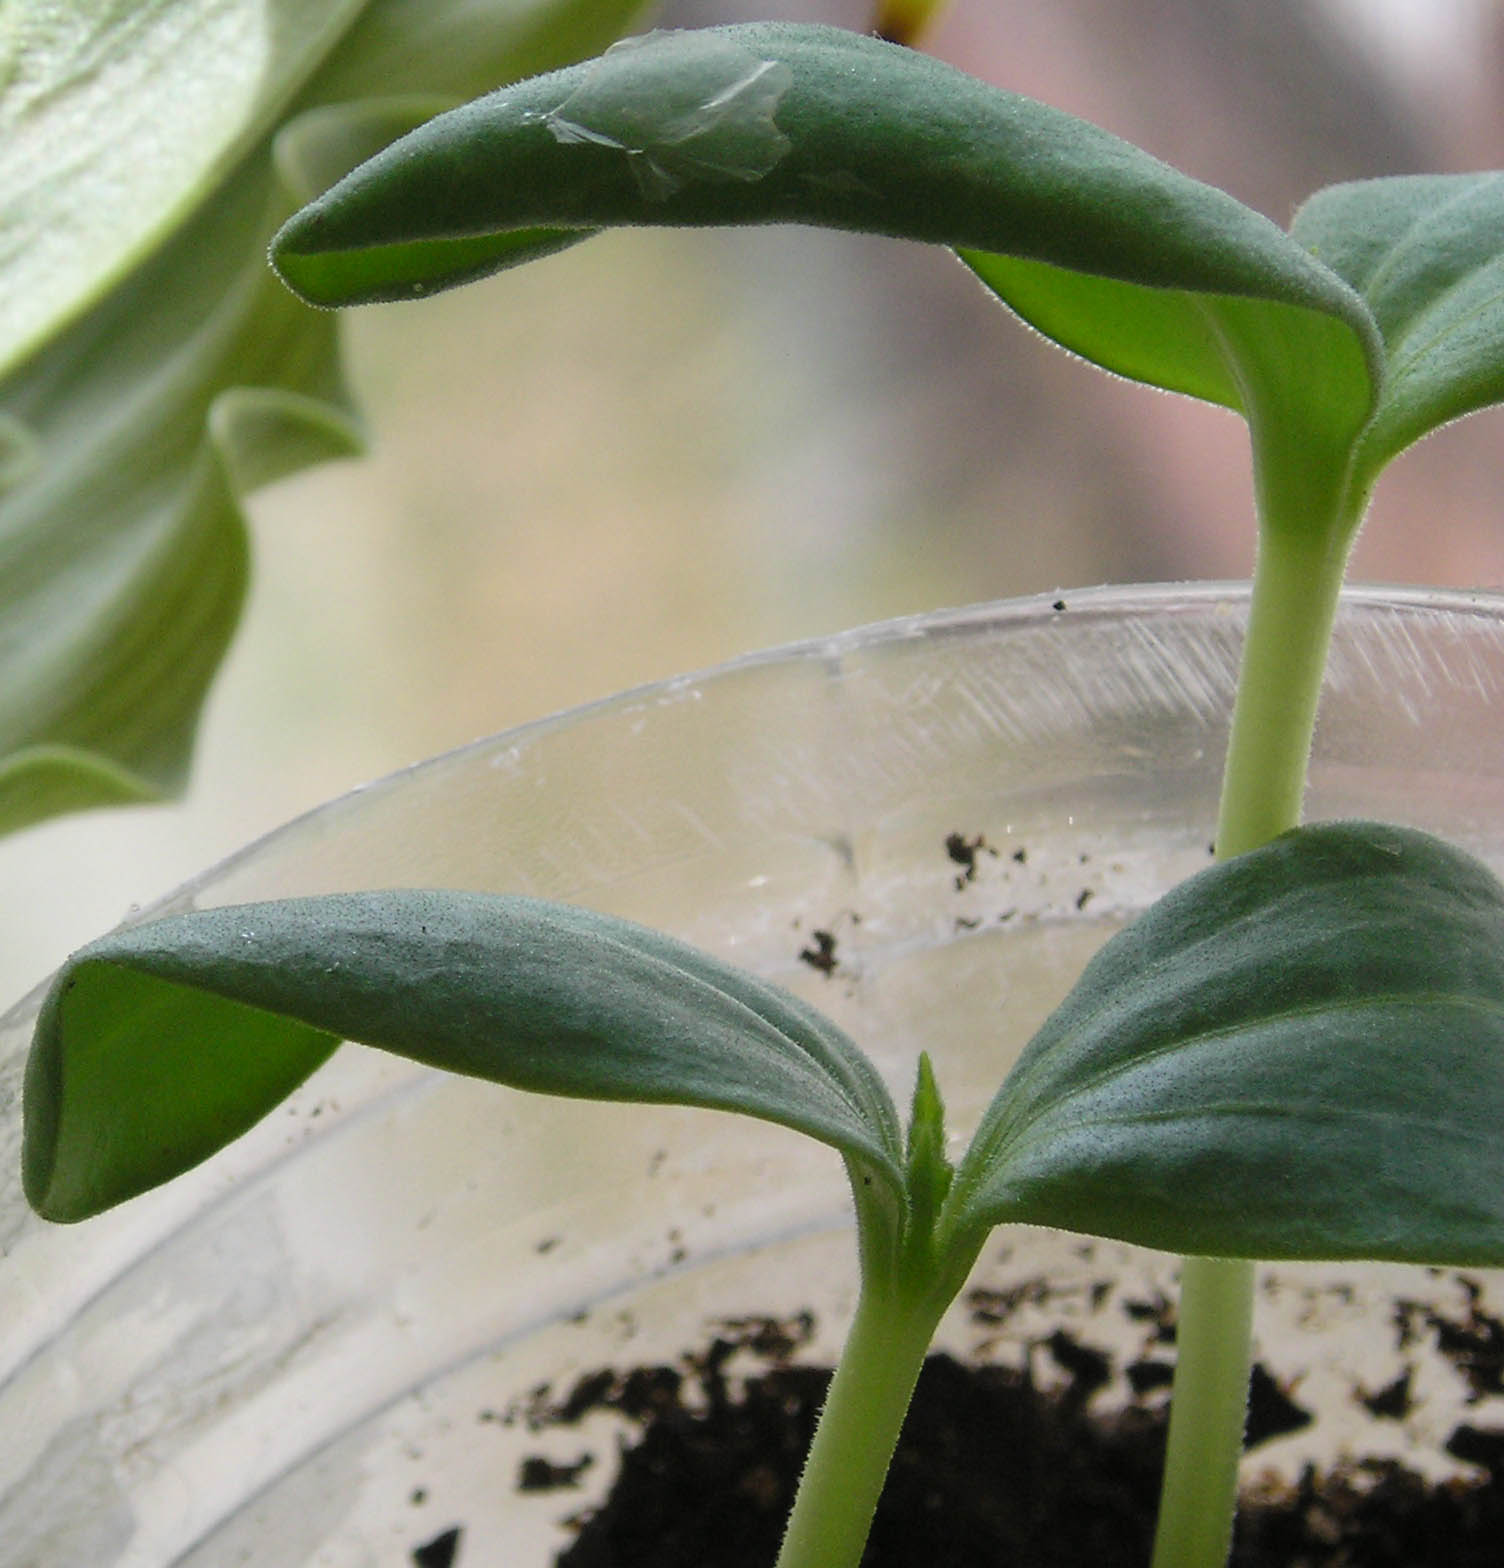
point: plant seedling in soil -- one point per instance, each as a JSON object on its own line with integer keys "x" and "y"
{"x": 1298, "y": 1053}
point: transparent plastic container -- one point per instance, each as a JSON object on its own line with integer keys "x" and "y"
{"x": 319, "y": 1348}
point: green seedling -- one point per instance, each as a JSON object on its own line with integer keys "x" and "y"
{"x": 1298, "y": 1053}
{"x": 1293, "y": 1055}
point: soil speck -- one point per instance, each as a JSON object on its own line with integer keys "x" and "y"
{"x": 1271, "y": 1411}
{"x": 821, "y": 953}
{"x": 1392, "y": 1402}
{"x": 440, "y": 1551}
{"x": 964, "y": 851}
{"x": 538, "y": 1474}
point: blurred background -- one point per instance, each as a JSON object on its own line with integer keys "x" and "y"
{"x": 659, "y": 450}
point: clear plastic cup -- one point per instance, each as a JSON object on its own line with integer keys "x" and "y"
{"x": 316, "y": 1348}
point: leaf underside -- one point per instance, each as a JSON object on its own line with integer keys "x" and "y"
{"x": 1426, "y": 252}
{"x": 1298, "y": 1053}
{"x": 159, "y": 1044}
{"x": 151, "y": 391}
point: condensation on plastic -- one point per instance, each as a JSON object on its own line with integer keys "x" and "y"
{"x": 304, "y": 1352}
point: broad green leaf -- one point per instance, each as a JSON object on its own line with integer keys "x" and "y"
{"x": 117, "y": 120}
{"x": 1121, "y": 258}
{"x": 159, "y": 1044}
{"x": 1298, "y": 1053}
{"x": 130, "y": 439}
{"x": 125, "y": 554}
{"x": 1426, "y": 252}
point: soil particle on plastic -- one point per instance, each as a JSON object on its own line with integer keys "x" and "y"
{"x": 1157, "y": 1313}
{"x": 963, "y": 851}
{"x": 440, "y": 1551}
{"x": 821, "y": 953}
{"x": 1146, "y": 1376}
{"x": 1272, "y": 1411}
{"x": 1473, "y": 1342}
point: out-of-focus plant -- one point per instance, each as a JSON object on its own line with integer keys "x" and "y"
{"x": 154, "y": 373}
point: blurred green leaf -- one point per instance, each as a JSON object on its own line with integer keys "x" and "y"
{"x": 1426, "y": 252}
{"x": 125, "y": 554}
{"x": 168, "y": 374}
{"x": 159, "y": 1044}
{"x": 117, "y": 120}
{"x": 1298, "y": 1053}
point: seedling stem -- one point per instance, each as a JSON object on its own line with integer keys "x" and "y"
{"x": 1296, "y": 584}
{"x": 858, "y": 1429}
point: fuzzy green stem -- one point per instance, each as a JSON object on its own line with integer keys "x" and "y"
{"x": 1213, "y": 1351}
{"x": 1295, "y": 594}
{"x": 1295, "y": 590}
{"x": 858, "y": 1431}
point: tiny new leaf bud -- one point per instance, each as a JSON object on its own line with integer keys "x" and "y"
{"x": 928, "y": 1171}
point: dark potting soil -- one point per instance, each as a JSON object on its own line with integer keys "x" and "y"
{"x": 991, "y": 1470}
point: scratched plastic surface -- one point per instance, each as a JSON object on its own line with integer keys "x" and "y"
{"x": 304, "y": 1352}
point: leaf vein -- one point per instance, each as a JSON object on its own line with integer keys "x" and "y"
{"x": 1414, "y": 233}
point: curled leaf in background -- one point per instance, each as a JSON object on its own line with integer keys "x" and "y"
{"x": 155, "y": 373}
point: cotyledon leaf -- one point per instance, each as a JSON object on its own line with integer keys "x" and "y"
{"x": 770, "y": 122}
{"x": 1298, "y": 1053}
{"x": 1125, "y": 260}
{"x": 1426, "y": 252}
{"x": 159, "y": 1044}
{"x": 131, "y": 435}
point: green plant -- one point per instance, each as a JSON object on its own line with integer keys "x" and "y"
{"x": 1232, "y": 1071}
{"x": 152, "y": 373}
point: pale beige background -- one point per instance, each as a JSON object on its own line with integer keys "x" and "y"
{"x": 660, "y": 450}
